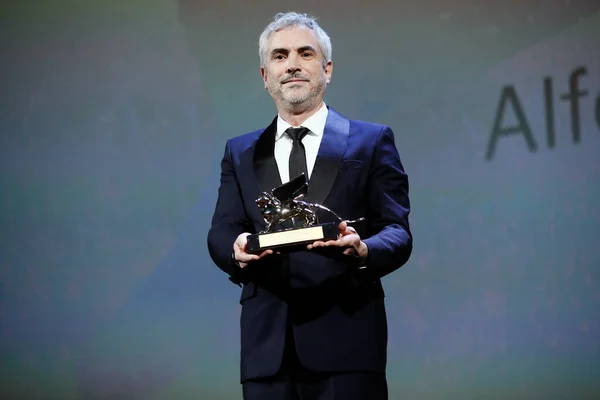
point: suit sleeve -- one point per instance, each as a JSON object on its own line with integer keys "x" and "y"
{"x": 389, "y": 238}
{"x": 229, "y": 221}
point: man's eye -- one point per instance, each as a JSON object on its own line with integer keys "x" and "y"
{"x": 306, "y": 54}
{"x": 278, "y": 57}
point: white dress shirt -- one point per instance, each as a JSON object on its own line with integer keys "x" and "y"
{"x": 311, "y": 142}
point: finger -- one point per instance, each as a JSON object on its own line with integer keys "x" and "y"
{"x": 342, "y": 226}
{"x": 316, "y": 245}
{"x": 349, "y": 231}
{"x": 241, "y": 241}
{"x": 246, "y": 258}
{"x": 349, "y": 251}
{"x": 241, "y": 253}
{"x": 265, "y": 253}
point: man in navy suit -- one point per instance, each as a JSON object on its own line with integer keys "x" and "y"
{"x": 313, "y": 323}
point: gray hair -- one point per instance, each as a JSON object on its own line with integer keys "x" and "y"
{"x": 293, "y": 19}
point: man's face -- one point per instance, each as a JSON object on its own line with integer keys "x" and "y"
{"x": 294, "y": 74}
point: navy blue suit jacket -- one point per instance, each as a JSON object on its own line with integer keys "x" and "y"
{"x": 336, "y": 312}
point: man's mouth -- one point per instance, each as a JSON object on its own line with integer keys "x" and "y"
{"x": 292, "y": 80}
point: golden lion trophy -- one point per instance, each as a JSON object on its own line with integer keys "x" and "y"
{"x": 290, "y": 221}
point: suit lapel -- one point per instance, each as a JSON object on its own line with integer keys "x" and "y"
{"x": 329, "y": 157}
{"x": 263, "y": 161}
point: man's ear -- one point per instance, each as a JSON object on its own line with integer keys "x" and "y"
{"x": 263, "y": 73}
{"x": 329, "y": 70}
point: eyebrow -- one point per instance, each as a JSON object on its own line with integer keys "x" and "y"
{"x": 304, "y": 48}
{"x": 286, "y": 51}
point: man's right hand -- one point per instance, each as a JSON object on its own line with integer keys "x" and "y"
{"x": 240, "y": 254}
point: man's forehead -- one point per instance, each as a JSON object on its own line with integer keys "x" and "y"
{"x": 293, "y": 38}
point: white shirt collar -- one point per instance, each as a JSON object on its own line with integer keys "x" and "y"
{"x": 316, "y": 123}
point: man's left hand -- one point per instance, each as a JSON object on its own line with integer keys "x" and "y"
{"x": 348, "y": 244}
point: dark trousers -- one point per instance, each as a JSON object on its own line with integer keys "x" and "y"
{"x": 294, "y": 382}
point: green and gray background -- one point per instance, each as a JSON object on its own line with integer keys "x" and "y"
{"x": 113, "y": 121}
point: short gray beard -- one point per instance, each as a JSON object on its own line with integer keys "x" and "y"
{"x": 299, "y": 102}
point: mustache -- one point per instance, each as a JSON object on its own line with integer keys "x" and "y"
{"x": 294, "y": 76}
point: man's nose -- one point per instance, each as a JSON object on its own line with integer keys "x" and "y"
{"x": 293, "y": 64}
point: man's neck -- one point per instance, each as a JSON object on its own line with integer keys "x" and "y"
{"x": 297, "y": 117}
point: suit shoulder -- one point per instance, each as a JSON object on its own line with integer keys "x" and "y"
{"x": 369, "y": 130}
{"x": 359, "y": 125}
{"x": 368, "y": 126}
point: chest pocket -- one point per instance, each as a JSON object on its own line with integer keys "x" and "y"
{"x": 349, "y": 173}
{"x": 351, "y": 165}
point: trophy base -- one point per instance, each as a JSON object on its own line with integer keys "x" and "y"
{"x": 291, "y": 238}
